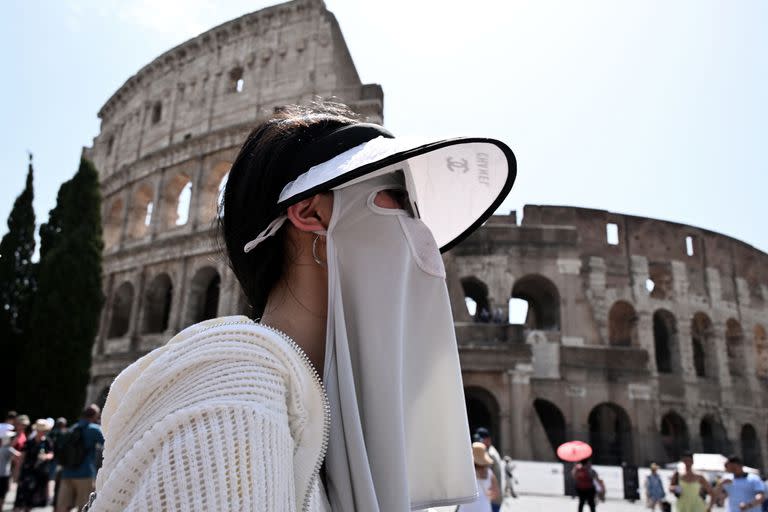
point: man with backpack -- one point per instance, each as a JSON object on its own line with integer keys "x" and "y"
{"x": 588, "y": 484}
{"x": 76, "y": 452}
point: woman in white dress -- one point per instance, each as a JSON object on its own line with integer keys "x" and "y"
{"x": 487, "y": 485}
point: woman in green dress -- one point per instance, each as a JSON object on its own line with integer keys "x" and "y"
{"x": 688, "y": 488}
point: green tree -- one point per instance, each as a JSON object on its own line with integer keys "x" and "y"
{"x": 65, "y": 313}
{"x": 17, "y": 286}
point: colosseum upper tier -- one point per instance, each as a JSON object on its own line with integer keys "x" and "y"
{"x": 643, "y": 337}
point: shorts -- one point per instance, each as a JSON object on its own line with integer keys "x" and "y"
{"x": 74, "y": 492}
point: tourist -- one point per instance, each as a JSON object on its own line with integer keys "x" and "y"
{"x": 32, "y": 488}
{"x": 654, "y": 489}
{"x": 689, "y": 487}
{"x": 483, "y": 435}
{"x": 77, "y": 476}
{"x": 59, "y": 429}
{"x": 587, "y": 481}
{"x": 7, "y": 454}
{"x": 746, "y": 492}
{"x": 487, "y": 484}
{"x": 322, "y": 225}
{"x": 509, "y": 477}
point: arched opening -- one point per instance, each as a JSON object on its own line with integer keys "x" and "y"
{"x": 674, "y": 436}
{"x": 158, "y": 304}
{"x": 476, "y": 299}
{"x": 236, "y": 81}
{"x": 212, "y": 191}
{"x": 113, "y": 222}
{"x": 665, "y": 342}
{"x": 704, "y": 360}
{"x": 482, "y": 411}
{"x": 553, "y": 422}
{"x": 176, "y": 201}
{"x": 761, "y": 352}
{"x": 610, "y": 434}
{"x": 141, "y": 212}
{"x": 714, "y": 438}
{"x": 622, "y": 325}
{"x": 120, "y": 318}
{"x": 204, "y": 295}
{"x": 102, "y": 398}
{"x": 660, "y": 273}
{"x": 734, "y": 344}
{"x": 750, "y": 447}
{"x": 543, "y": 301}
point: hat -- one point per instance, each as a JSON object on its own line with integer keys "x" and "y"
{"x": 482, "y": 433}
{"x": 453, "y": 185}
{"x": 43, "y": 424}
{"x": 480, "y": 455}
{"x": 23, "y": 419}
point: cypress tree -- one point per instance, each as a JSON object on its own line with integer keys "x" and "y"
{"x": 65, "y": 313}
{"x": 17, "y": 286}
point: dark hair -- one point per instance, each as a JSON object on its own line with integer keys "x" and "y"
{"x": 686, "y": 455}
{"x": 91, "y": 412}
{"x": 735, "y": 459}
{"x": 254, "y": 184}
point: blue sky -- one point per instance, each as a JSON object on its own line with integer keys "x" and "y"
{"x": 653, "y": 108}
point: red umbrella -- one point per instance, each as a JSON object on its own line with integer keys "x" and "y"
{"x": 574, "y": 451}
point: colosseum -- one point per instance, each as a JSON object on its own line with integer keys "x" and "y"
{"x": 643, "y": 337}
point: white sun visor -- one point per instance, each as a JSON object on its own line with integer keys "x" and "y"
{"x": 454, "y": 185}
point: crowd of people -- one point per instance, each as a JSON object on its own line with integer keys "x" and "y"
{"x": 50, "y": 462}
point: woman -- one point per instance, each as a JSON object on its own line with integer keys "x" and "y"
{"x": 34, "y": 468}
{"x": 588, "y": 485}
{"x": 487, "y": 485}
{"x": 333, "y": 229}
{"x": 688, "y": 488}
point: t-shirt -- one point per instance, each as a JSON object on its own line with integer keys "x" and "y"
{"x": 743, "y": 490}
{"x": 94, "y": 440}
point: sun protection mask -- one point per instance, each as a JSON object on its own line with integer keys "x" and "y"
{"x": 399, "y": 438}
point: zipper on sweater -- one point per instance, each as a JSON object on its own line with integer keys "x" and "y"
{"x": 326, "y": 411}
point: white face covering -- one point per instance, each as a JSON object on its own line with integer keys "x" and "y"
{"x": 399, "y": 437}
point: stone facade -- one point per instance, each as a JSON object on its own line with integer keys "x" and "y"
{"x": 641, "y": 336}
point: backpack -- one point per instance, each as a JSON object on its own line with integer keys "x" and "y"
{"x": 70, "y": 448}
{"x": 583, "y": 479}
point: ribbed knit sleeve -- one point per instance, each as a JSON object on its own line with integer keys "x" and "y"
{"x": 216, "y": 420}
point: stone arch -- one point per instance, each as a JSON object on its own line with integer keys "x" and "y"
{"x": 203, "y": 295}
{"x": 553, "y": 422}
{"x": 113, "y": 222}
{"x": 714, "y": 438}
{"x": 734, "y": 344}
{"x": 483, "y": 411}
{"x": 610, "y": 434}
{"x": 476, "y": 297}
{"x": 157, "y": 306}
{"x": 674, "y": 436}
{"x": 665, "y": 342}
{"x": 120, "y": 319}
{"x": 750, "y": 447}
{"x": 141, "y": 211}
{"x": 702, "y": 340}
{"x": 210, "y": 191}
{"x": 622, "y": 325}
{"x": 761, "y": 352}
{"x": 543, "y": 301}
{"x": 176, "y": 201}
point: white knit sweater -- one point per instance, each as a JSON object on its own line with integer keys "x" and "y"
{"x": 227, "y": 416}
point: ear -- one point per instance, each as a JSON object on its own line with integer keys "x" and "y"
{"x": 312, "y": 214}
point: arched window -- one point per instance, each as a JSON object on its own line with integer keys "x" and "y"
{"x": 622, "y": 324}
{"x": 713, "y": 436}
{"x": 543, "y": 301}
{"x": 212, "y": 191}
{"x": 120, "y": 318}
{"x": 674, "y": 436}
{"x": 204, "y": 295}
{"x": 665, "y": 342}
{"x": 236, "y": 81}
{"x": 482, "y": 411}
{"x": 157, "y": 112}
{"x": 610, "y": 435}
{"x": 113, "y": 223}
{"x": 750, "y": 447}
{"x": 702, "y": 340}
{"x": 761, "y": 351}
{"x": 157, "y": 307}
{"x": 734, "y": 344}
{"x": 141, "y": 212}
{"x": 552, "y": 420}
{"x": 176, "y": 200}
{"x": 476, "y": 299}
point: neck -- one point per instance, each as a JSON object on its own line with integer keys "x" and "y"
{"x": 298, "y": 306}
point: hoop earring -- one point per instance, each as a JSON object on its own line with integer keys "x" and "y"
{"x": 314, "y": 251}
